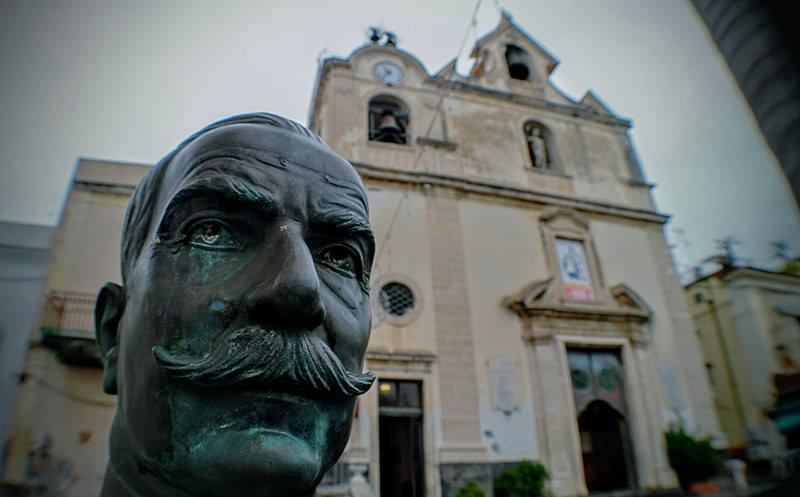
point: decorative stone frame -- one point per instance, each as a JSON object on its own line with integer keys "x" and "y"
{"x": 550, "y": 330}
{"x": 567, "y": 224}
{"x": 557, "y": 419}
{"x": 391, "y": 319}
{"x": 618, "y": 319}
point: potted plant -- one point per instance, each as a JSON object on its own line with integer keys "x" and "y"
{"x": 471, "y": 489}
{"x": 694, "y": 461}
{"x": 526, "y": 479}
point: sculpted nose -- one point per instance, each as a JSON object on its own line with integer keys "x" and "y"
{"x": 288, "y": 295}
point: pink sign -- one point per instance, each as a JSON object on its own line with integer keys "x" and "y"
{"x": 578, "y": 292}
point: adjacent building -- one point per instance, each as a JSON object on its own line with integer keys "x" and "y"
{"x": 24, "y": 258}
{"x": 61, "y": 416}
{"x": 525, "y": 303}
{"x": 748, "y": 322}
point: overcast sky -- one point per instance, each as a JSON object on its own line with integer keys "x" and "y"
{"x": 127, "y": 81}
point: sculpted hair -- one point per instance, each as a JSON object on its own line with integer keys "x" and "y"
{"x": 140, "y": 212}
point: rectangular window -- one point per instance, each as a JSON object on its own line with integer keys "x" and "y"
{"x": 574, "y": 269}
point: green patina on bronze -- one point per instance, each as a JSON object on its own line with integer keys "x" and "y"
{"x": 237, "y": 338}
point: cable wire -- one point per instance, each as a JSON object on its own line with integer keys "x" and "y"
{"x": 446, "y": 88}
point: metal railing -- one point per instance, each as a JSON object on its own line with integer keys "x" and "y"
{"x": 69, "y": 314}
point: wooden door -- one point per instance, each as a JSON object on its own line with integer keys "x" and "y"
{"x": 401, "y": 440}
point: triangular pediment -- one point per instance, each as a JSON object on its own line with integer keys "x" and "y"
{"x": 541, "y": 298}
{"x": 595, "y": 103}
{"x": 564, "y": 219}
{"x": 508, "y": 32}
{"x": 492, "y": 64}
{"x": 448, "y": 72}
{"x": 627, "y": 298}
{"x": 529, "y": 295}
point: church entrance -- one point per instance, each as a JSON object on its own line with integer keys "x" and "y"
{"x": 604, "y": 462}
{"x": 600, "y": 403}
{"x": 400, "y": 439}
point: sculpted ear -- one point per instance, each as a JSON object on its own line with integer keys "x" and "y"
{"x": 107, "y": 314}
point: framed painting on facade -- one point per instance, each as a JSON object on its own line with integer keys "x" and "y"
{"x": 574, "y": 269}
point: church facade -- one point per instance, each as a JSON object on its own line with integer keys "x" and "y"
{"x": 525, "y": 305}
{"x": 525, "y": 302}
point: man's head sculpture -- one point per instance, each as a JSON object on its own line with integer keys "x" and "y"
{"x": 236, "y": 342}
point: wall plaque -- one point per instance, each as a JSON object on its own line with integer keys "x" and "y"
{"x": 503, "y": 383}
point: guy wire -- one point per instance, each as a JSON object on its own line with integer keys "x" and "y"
{"x": 448, "y": 85}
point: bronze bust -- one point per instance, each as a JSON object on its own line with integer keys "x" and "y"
{"x": 236, "y": 341}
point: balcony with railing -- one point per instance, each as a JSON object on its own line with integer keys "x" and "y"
{"x": 67, "y": 327}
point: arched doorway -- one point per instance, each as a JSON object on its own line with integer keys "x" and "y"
{"x": 605, "y": 459}
{"x": 599, "y": 394}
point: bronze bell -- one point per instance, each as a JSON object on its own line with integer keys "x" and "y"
{"x": 388, "y": 124}
{"x": 517, "y": 64}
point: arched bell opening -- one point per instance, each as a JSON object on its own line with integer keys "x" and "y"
{"x": 519, "y": 63}
{"x": 388, "y": 120}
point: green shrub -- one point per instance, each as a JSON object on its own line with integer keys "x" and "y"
{"x": 471, "y": 489}
{"x": 694, "y": 460}
{"x": 526, "y": 479}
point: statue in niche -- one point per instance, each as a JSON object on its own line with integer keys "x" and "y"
{"x": 235, "y": 343}
{"x": 537, "y": 147}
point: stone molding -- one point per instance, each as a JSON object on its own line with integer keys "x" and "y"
{"x": 407, "y": 362}
{"x": 95, "y": 186}
{"x": 626, "y": 315}
{"x": 481, "y": 187}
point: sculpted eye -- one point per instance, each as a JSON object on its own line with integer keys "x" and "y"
{"x": 340, "y": 258}
{"x": 211, "y": 235}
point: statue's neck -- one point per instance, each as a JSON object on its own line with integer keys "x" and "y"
{"x": 114, "y": 485}
{"x": 117, "y": 485}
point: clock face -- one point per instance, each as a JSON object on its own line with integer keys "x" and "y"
{"x": 388, "y": 73}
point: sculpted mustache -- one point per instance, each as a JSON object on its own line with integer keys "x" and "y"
{"x": 260, "y": 357}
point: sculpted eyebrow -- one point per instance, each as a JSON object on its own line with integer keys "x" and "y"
{"x": 342, "y": 221}
{"x": 227, "y": 187}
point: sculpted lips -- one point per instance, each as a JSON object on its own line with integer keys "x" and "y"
{"x": 258, "y": 357}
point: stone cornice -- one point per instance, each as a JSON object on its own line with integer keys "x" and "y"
{"x": 379, "y": 355}
{"x": 752, "y": 275}
{"x": 544, "y": 330}
{"x": 467, "y": 88}
{"x": 545, "y": 316}
{"x": 483, "y": 187}
{"x": 583, "y": 312}
{"x": 416, "y": 362}
{"x": 757, "y": 276}
{"x": 105, "y": 187}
